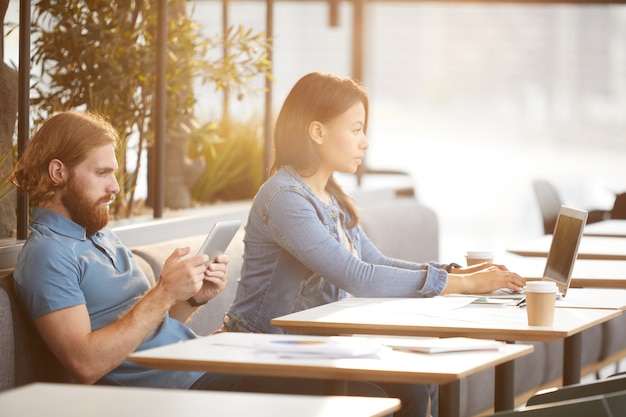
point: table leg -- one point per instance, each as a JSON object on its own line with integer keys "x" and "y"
{"x": 504, "y": 392}
{"x": 572, "y": 354}
{"x": 450, "y": 399}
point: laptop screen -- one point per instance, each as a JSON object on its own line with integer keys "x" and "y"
{"x": 564, "y": 247}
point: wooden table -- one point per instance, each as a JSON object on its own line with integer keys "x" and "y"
{"x": 424, "y": 317}
{"x": 73, "y": 400}
{"x": 591, "y": 247}
{"x": 234, "y": 353}
{"x": 595, "y": 273}
{"x": 606, "y": 228}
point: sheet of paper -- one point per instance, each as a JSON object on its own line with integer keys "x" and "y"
{"x": 485, "y": 314}
{"x": 300, "y": 346}
{"x": 406, "y": 309}
{"x": 429, "y": 306}
{"x": 440, "y": 345}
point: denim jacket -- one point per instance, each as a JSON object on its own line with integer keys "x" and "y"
{"x": 293, "y": 259}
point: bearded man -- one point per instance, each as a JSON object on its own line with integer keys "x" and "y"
{"x": 81, "y": 286}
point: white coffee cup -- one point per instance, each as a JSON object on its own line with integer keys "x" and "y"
{"x": 540, "y": 302}
{"x": 477, "y": 257}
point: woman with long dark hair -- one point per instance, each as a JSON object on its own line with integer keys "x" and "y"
{"x": 303, "y": 243}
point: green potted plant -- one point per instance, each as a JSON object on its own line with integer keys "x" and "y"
{"x": 101, "y": 56}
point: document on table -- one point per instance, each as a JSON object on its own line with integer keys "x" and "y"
{"x": 455, "y": 308}
{"x": 440, "y": 345}
{"x": 482, "y": 314}
{"x": 428, "y": 306}
{"x": 301, "y": 346}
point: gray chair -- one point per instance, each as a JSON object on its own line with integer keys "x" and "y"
{"x": 24, "y": 357}
{"x": 550, "y": 202}
{"x": 619, "y": 207}
{"x": 603, "y": 386}
{"x": 605, "y": 405}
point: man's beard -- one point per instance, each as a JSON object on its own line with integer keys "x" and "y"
{"x": 92, "y": 215}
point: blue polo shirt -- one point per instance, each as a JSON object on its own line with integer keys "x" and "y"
{"x": 60, "y": 267}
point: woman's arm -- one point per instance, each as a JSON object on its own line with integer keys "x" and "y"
{"x": 482, "y": 279}
{"x": 296, "y": 226}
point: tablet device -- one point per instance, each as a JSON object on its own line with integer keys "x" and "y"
{"x": 219, "y": 238}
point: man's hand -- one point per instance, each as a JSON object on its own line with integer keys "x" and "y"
{"x": 182, "y": 278}
{"x": 212, "y": 281}
{"x": 215, "y": 279}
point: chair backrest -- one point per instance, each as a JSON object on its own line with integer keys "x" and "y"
{"x": 603, "y": 386}
{"x": 619, "y": 207}
{"x": 606, "y": 405}
{"x": 402, "y": 228}
{"x": 549, "y": 203}
{"x": 24, "y": 357}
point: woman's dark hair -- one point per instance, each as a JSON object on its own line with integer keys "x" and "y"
{"x": 317, "y": 97}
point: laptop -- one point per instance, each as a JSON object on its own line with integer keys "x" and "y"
{"x": 568, "y": 231}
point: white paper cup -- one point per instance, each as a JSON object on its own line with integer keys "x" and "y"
{"x": 540, "y": 302}
{"x": 477, "y": 257}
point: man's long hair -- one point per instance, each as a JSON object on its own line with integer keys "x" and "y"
{"x": 68, "y": 137}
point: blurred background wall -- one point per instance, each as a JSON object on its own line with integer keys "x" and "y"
{"x": 474, "y": 101}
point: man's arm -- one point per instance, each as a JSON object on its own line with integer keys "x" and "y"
{"x": 89, "y": 355}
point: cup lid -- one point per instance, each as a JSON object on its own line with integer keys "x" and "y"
{"x": 540, "y": 286}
